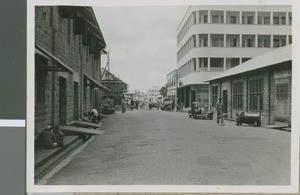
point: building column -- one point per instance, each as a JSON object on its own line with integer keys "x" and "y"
{"x": 240, "y": 60}
{"x": 225, "y": 17}
{"x": 197, "y": 64}
{"x": 208, "y": 40}
{"x": 241, "y": 40}
{"x": 197, "y": 40}
{"x": 208, "y": 16}
{"x": 190, "y": 97}
{"x": 184, "y": 96}
{"x": 240, "y": 17}
{"x": 224, "y": 64}
{"x": 256, "y": 41}
{"x": 197, "y": 17}
{"x": 255, "y": 18}
{"x": 224, "y": 42}
{"x": 271, "y": 18}
{"x": 208, "y": 64}
{"x": 287, "y": 20}
{"x": 272, "y": 36}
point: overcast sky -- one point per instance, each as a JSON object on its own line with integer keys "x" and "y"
{"x": 141, "y": 42}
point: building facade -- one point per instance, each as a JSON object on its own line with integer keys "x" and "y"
{"x": 172, "y": 84}
{"x": 213, "y": 39}
{"x": 116, "y": 86}
{"x": 153, "y": 94}
{"x": 261, "y": 85}
{"x": 68, "y": 46}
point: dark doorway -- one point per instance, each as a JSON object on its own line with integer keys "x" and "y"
{"x": 62, "y": 101}
{"x": 225, "y": 101}
{"x": 75, "y": 101}
{"x": 193, "y": 96}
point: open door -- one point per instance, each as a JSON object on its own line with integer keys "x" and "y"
{"x": 225, "y": 101}
{"x": 62, "y": 101}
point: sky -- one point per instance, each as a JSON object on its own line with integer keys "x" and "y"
{"x": 141, "y": 42}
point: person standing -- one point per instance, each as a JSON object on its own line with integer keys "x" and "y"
{"x": 220, "y": 107}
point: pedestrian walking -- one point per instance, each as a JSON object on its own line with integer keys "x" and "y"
{"x": 220, "y": 106}
{"x": 123, "y": 103}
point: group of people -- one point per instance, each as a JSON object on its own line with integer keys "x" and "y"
{"x": 133, "y": 104}
{"x": 92, "y": 116}
{"x": 51, "y": 137}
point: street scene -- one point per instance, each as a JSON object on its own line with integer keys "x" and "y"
{"x": 163, "y": 95}
{"x": 166, "y": 148}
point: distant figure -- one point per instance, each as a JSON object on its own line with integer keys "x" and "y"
{"x": 220, "y": 107}
{"x": 137, "y": 104}
{"x": 131, "y": 104}
{"x": 123, "y": 103}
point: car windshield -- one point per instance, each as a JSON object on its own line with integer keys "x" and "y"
{"x": 201, "y": 104}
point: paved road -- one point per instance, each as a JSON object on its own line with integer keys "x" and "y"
{"x": 156, "y": 147}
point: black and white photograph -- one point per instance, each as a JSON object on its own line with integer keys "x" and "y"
{"x": 178, "y": 95}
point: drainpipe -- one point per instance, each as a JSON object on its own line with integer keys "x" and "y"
{"x": 53, "y": 79}
{"x": 231, "y": 98}
{"x": 269, "y": 96}
{"x": 247, "y": 91}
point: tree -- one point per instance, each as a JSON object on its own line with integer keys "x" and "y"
{"x": 163, "y": 91}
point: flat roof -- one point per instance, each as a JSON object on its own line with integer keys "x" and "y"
{"x": 279, "y": 55}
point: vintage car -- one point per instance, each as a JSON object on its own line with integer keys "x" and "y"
{"x": 200, "y": 109}
{"x": 167, "y": 104}
{"x": 249, "y": 118}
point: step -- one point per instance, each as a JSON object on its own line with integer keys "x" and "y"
{"x": 45, "y": 165}
{"x": 43, "y": 155}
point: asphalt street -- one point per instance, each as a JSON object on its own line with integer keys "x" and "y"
{"x": 153, "y": 147}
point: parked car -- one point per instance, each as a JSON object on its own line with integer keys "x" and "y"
{"x": 200, "y": 109}
{"x": 249, "y": 118}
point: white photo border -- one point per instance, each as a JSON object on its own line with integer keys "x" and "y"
{"x": 292, "y": 188}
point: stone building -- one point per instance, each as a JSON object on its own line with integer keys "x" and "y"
{"x": 68, "y": 47}
{"x": 261, "y": 85}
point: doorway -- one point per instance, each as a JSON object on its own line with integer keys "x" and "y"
{"x": 62, "y": 101}
{"x": 75, "y": 101}
{"x": 225, "y": 101}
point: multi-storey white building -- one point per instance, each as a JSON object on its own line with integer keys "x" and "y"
{"x": 153, "y": 94}
{"x": 212, "y": 39}
{"x": 172, "y": 84}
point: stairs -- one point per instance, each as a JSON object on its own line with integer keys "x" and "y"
{"x": 47, "y": 159}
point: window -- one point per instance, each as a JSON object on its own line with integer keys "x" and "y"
{"x": 282, "y": 91}
{"x": 256, "y": 95}
{"x": 237, "y": 93}
{"x": 217, "y": 42}
{"x": 214, "y": 95}
{"x": 259, "y": 20}
{"x": 205, "y": 42}
{"x": 233, "y": 43}
{"x": 250, "y": 20}
{"x": 267, "y": 20}
{"x": 276, "y": 20}
{"x": 203, "y": 62}
{"x": 283, "y": 21}
{"x": 245, "y": 59}
{"x": 69, "y": 30}
{"x": 194, "y": 64}
{"x": 290, "y": 39}
{"x": 260, "y": 41}
{"x": 267, "y": 43}
{"x": 243, "y": 20}
{"x": 216, "y": 62}
{"x": 194, "y": 18}
{"x": 215, "y": 19}
{"x": 205, "y": 19}
{"x": 232, "y": 20}
{"x": 276, "y": 43}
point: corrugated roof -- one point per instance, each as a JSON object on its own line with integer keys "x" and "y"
{"x": 276, "y": 56}
{"x": 197, "y": 78}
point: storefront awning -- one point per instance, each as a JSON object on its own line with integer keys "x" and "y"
{"x": 44, "y": 53}
{"x": 97, "y": 83}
